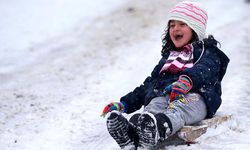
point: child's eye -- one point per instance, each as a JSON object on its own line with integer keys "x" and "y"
{"x": 171, "y": 25}
{"x": 183, "y": 24}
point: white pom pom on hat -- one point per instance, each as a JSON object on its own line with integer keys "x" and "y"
{"x": 192, "y": 14}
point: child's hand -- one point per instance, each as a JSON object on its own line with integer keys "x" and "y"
{"x": 179, "y": 88}
{"x": 114, "y": 106}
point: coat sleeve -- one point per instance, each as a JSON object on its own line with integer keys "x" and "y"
{"x": 207, "y": 69}
{"x": 136, "y": 98}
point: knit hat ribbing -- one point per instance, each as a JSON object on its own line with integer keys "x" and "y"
{"x": 192, "y": 14}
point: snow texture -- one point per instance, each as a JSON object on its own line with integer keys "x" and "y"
{"x": 62, "y": 61}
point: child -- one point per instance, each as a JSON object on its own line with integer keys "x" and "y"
{"x": 184, "y": 88}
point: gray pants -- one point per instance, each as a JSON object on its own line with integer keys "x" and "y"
{"x": 190, "y": 110}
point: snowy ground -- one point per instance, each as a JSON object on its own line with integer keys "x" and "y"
{"x": 62, "y": 61}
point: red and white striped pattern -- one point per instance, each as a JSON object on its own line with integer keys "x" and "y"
{"x": 179, "y": 60}
{"x": 192, "y": 14}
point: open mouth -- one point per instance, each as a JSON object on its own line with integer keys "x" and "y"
{"x": 178, "y": 37}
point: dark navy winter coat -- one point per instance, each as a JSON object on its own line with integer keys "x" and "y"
{"x": 207, "y": 73}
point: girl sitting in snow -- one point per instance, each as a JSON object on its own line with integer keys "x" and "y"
{"x": 184, "y": 88}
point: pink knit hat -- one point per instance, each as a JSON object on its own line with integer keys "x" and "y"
{"x": 192, "y": 14}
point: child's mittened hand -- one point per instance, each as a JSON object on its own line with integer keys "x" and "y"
{"x": 114, "y": 106}
{"x": 179, "y": 88}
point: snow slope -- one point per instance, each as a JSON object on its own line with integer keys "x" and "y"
{"x": 62, "y": 61}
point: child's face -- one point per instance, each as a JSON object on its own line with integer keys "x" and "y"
{"x": 180, "y": 33}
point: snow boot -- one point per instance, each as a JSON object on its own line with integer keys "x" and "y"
{"x": 153, "y": 129}
{"x": 164, "y": 126}
{"x": 119, "y": 127}
{"x": 147, "y": 131}
{"x": 132, "y": 133}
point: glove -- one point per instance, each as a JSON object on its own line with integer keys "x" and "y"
{"x": 119, "y": 106}
{"x": 178, "y": 89}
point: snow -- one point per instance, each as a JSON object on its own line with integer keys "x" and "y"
{"x": 62, "y": 61}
